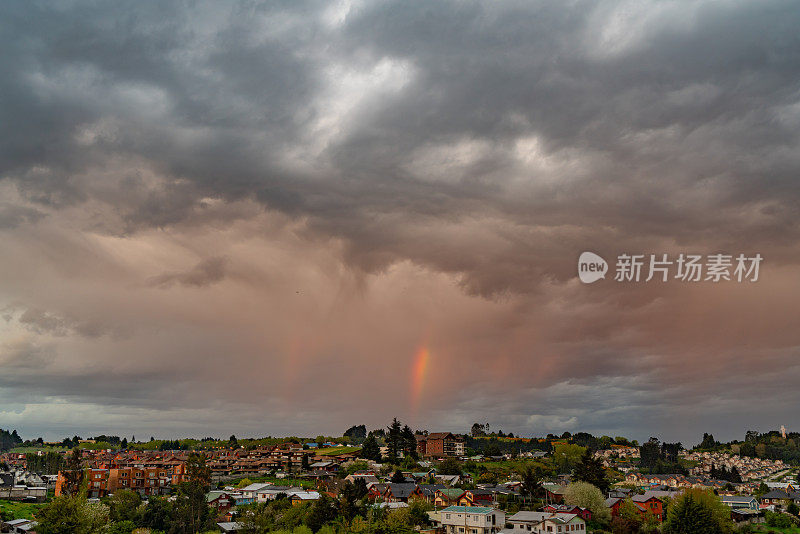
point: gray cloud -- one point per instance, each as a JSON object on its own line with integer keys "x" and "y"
{"x": 324, "y": 150}
{"x": 208, "y": 271}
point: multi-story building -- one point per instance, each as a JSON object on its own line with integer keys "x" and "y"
{"x": 472, "y": 520}
{"x": 145, "y": 480}
{"x": 440, "y": 444}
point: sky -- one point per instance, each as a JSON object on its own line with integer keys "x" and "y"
{"x": 287, "y": 218}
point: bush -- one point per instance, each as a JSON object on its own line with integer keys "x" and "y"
{"x": 778, "y": 520}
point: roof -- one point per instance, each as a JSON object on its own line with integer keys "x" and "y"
{"x": 227, "y": 526}
{"x": 255, "y": 487}
{"x": 738, "y": 498}
{"x": 469, "y": 509}
{"x": 401, "y": 489}
{"x": 305, "y": 495}
{"x": 215, "y": 494}
{"x": 775, "y": 494}
{"x": 562, "y": 518}
{"x": 17, "y": 522}
{"x": 529, "y": 516}
{"x": 438, "y": 435}
{"x": 555, "y": 488}
{"x": 452, "y": 493}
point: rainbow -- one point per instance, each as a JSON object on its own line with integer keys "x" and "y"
{"x": 419, "y": 370}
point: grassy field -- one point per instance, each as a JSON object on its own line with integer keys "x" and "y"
{"x": 763, "y": 529}
{"x": 25, "y": 450}
{"x": 18, "y": 510}
{"x": 333, "y": 451}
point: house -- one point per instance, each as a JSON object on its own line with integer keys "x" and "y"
{"x": 620, "y": 493}
{"x": 299, "y": 497}
{"x": 649, "y": 503}
{"x": 527, "y": 521}
{"x": 476, "y": 497}
{"x": 249, "y": 492}
{"x": 472, "y": 520}
{"x": 447, "y": 496}
{"x": 401, "y": 492}
{"x": 376, "y": 491}
{"x": 774, "y": 498}
{"x": 428, "y": 491}
{"x": 270, "y": 492}
{"x": 738, "y": 502}
{"x": 18, "y": 526}
{"x": 554, "y": 493}
{"x": 563, "y": 523}
{"x": 583, "y": 513}
{"x": 545, "y": 522}
{"x": 440, "y": 445}
{"x": 220, "y": 500}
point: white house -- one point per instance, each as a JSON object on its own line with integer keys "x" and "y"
{"x": 472, "y": 520}
{"x": 546, "y": 523}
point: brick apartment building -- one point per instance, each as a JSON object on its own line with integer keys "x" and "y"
{"x": 147, "y": 480}
{"x": 440, "y": 445}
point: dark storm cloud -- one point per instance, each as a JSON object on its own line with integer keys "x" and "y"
{"x": 208, "y": 271}
{"x": 488, "y": 143}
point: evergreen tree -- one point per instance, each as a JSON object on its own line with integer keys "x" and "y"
{"x": 398, "y": 477}
{"x": 697, "y": 512}
{"x": 370, "y": 450}
{"x": 394, "y": 441}
{"x": 591, "y": 470}
{"x": 409, "y": 442}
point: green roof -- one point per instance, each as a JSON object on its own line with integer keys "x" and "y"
{"x": 555, "y": 488}
{"x": 453, "y": 492}
{"x": 211, "y": 495}
{"x": 469, "y": 509}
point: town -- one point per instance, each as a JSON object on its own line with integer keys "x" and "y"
{"x": 395, "y": 479}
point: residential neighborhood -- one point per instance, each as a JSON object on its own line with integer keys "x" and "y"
{"x": 433, "y": 482}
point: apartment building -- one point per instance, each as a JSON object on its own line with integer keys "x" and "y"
{"x": 440, "y": 444}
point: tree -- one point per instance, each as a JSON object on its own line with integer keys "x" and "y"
{"x": 156, "y": 514}
{"x": 233, "y": 443}
{"x": 124, "y": 506}
{"x": 591, "y": 470}
{"x": 708, "y": 442}
{"x": 409, "y": 442}
{"x": 72, "y": 515}
{"x": 698, "y": 512}
{"x": 628, "y": 519}
{"x": 73, "y": 473}
{"x": 449, "y": 466}
{"x": 588, "y": 496}
{"x": 792, "y": 508}
{"x": 478, "y": 430}
{"x": 650, "y": 453}
{"x": 394, "y": 440}
{"x": 567, "y": 455}
{"x": 191, "y": 511}
{"x": 398, "y": 477}
{"x": 370, "y": 450}
{"x": 531, "y": 480}
{"x": 356, "y": 432}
